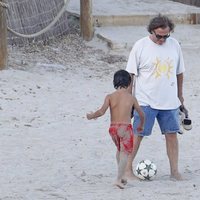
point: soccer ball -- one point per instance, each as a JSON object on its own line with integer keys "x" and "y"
{"x": 145, "y": 170}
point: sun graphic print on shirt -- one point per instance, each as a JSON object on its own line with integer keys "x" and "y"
{"x": 162, "y": 68}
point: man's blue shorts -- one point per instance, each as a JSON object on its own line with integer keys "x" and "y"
{"x": 168, "y": 120}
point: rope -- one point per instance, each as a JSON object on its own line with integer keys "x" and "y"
{"x": 3, "y": 5}
{"x": 46, "y": 28}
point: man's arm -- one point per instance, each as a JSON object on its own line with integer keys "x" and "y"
{"x": 131, "y": 86}
{"x": 180, "y": 87}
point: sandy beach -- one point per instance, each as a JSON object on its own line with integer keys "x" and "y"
{"x": 49, "y": 151}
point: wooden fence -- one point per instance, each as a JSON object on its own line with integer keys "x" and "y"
{"x": 31, "y": 16}
{"x": 3, "y": 40}
{"x": 86, "y": 19}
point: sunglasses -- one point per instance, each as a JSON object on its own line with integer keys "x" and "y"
{"x": 161, "y": 36}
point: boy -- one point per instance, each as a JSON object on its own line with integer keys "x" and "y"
{"x": 121, "y": 103}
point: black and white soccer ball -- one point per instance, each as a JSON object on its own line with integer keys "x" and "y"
{"x": 145, "y": 170}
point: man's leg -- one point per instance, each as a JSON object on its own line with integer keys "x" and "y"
{"x": 172, "y": 152}
{"x": 129, "y": 169}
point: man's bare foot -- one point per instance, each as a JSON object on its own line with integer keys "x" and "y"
{"x": 176, "y": 177}
{"x": 119, "y": 184}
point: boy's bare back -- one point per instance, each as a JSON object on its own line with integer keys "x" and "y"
{"x": 121, "y": 103}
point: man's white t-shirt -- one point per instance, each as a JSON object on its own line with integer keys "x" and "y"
{"x": 156, "y": 68}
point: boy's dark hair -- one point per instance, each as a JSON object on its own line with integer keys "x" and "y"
{"x": 160, "y": 21}
{"x": 122, "y": 79}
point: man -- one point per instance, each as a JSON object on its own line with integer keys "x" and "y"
{"x": 156, "y": 66}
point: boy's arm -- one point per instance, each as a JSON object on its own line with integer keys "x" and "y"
{"x": 141, "y": 115}
{"x": 100, "y": 111}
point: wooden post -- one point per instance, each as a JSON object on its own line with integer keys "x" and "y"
{"x": 86, "y": 19}
{"x": 3, "y": 38}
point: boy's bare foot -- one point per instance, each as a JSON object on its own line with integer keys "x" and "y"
{"x": 119, "y": 184}
{"x": 176, "y": 177}
{"x": 124, "y": 181}
{"x": 130, "y": 176}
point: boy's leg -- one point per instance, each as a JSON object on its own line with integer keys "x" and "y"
{"x": 117, "y": 157}
{"x": 150, "y": 115}
{"x": 129, "y": 168}
{"x": 123, "y": 157}
{"x": 124, "y": 180}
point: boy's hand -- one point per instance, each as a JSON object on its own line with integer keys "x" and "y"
{"x": 140, "y": 129}
{"x": 89, "y": 116}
